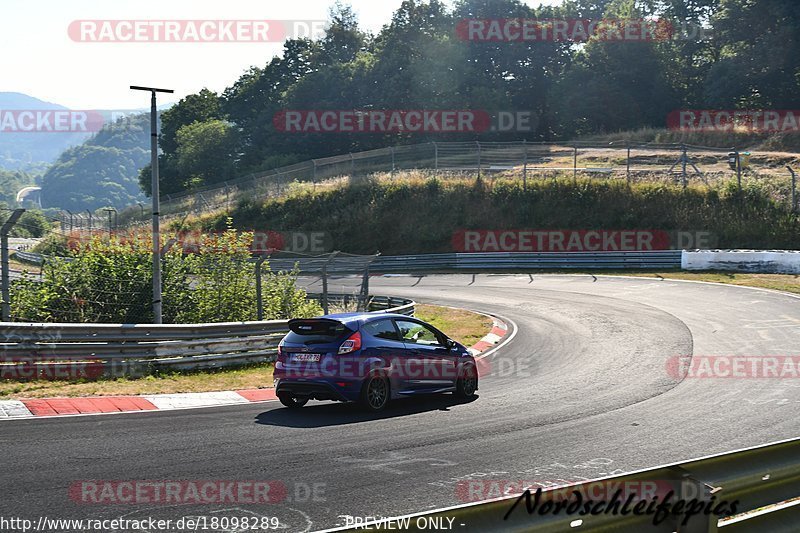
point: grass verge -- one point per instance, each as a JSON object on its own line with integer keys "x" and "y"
{"x": 461, "y": 325}
{"x": 464, "y": 326}
{"x": 778, "y": 282}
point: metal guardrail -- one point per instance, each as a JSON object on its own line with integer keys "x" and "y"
{"x": 757, "y": 478}
{"x": 29, "y": 257}
{"x": 522, "y": 261}
{"x": 114, "y": 350}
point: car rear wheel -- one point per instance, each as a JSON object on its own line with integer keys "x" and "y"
{"x": 375, "y": 394}
{"x": 292, "y": 402}
{"x": 467, "y": 383}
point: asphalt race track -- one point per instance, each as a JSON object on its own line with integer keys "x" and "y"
{"x": 581, "y": 391}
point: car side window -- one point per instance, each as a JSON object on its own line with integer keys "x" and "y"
{"x": 382, "y": 329}
{"x": 416, "y": 333}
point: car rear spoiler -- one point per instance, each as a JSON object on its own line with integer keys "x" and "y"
{"x": 314, "y": 325}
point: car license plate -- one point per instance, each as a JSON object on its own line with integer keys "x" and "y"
{"x": 306, "y": 357}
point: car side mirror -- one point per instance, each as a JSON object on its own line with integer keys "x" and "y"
{"x": 450, "y": 343}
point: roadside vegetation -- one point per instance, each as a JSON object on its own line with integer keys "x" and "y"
{"x": 419, "y": 214}
{"x": 105, "y": 280}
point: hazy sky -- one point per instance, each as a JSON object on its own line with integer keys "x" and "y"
{"x": 40, "y": 59}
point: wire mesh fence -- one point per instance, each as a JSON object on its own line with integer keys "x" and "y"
{"x": 681, "y": 164}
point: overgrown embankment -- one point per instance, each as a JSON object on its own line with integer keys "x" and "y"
{"x": 421, "y": 215}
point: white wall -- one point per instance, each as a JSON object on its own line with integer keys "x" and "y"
{"x": 787, "y": 262}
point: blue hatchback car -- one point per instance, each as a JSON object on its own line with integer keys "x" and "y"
{"x": 369, "y": 358}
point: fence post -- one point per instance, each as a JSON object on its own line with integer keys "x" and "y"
{"x": 391, "y": 148}
{"x": 794, "y": 189}
{"x": 4, "y": 259}
{"x": 738, "y": 169}
{"x": 314, "y": 177}
{"x": 435, "y": 159}
{"x": 363, "y": 296}
{"x": 352, "y": 166}
{"x": 684, "y": 159}
{"x": 259, "y": 299}
{"x": 628, "y": 163}
{"x": 574, "y": 161}
{"x": 479, "y": 157}
{"x": 325, "y": 282}
{"x": 524, "y": 165}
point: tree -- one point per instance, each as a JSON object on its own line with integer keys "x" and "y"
{"x": 206, "y": 152}
{"x": 759, "y": 57}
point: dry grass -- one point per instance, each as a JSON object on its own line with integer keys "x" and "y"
{"x": 461, "y": 325}
{"x": 778, "y": 282}
{"x": 464, "y": 326}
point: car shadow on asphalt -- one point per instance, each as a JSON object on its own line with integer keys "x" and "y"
{"x": 337, "y": 414}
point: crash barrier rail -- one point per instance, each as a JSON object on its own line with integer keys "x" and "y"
{"x": 29, "y": 256}
{"x": 761, "y": 478}
{"x": 775, "y": 261}
{"x": 503, "y": 261}
{"x": 114, "y": 350}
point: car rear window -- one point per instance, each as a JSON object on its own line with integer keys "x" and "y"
{"x": 315, "y": 331}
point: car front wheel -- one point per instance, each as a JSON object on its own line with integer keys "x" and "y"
{"x": 467, "y": 383}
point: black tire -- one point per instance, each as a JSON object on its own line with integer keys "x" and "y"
{"x": 467, "y": 382}
{"x": 292, "y": 402}
{"x": 375, "y": 393}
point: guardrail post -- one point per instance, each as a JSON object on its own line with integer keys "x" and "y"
{"x": 435, "y": 159}
{"x": 4, "y": 259}
{"x": 693, "y": 489}
{"x": 314, "y": 175}
{"x": 391, "y": 148}
{"x": 794, "y": 189}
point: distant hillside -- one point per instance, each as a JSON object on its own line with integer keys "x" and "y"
{"x": 32, "y": 151}
{"x": 102, "y": 172}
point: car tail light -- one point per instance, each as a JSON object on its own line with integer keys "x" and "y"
{"x": 352, "y": 344}
{"x": 280, "y": 348}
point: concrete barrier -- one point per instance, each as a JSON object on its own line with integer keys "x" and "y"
{"x": 763, "y": 262}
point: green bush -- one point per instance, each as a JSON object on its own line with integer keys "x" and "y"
{"x": 111, "y": 281}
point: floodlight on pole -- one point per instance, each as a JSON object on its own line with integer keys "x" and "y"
{"x": 157, "y": 315}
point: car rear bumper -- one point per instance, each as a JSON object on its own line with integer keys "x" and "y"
{"x": 316, "y": 390}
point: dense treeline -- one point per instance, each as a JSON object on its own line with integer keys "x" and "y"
{"x": 101, "y": 172}
{"x": 747, "y": 55}
{"x": 11, "y": 182}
